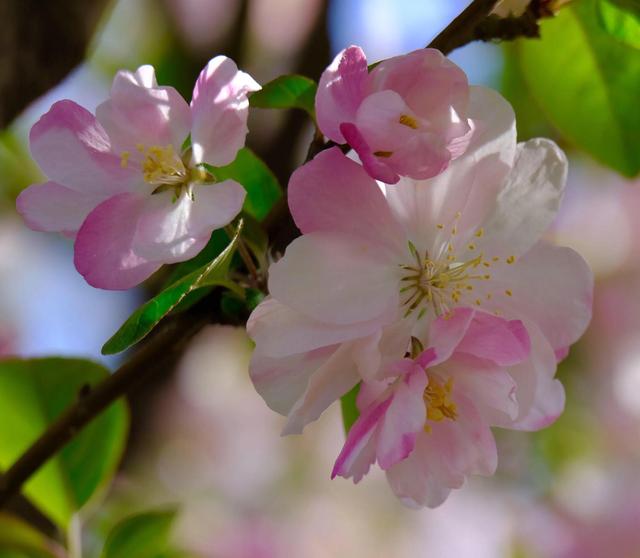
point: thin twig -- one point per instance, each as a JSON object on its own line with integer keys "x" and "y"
{"x": 130, "y": 375}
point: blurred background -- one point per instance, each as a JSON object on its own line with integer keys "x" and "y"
{"x": 203, "y": 439}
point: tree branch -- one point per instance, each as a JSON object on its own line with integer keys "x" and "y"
{"x": 164, "y": 346}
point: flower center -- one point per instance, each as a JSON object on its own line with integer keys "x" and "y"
{"x": 443, "y": 280}
{"x": 437, "y": 398}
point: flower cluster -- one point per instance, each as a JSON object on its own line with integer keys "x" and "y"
{"x": 130, "y": 184}
{"x": 437, "y": 295}
{"x": 421, "y": 276}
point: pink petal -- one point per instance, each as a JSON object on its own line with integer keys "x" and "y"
{"x": 140, "y": 112}
{"x": 73, "y": 150}
{"x": 404, "y": 419}
{"x": 422, "y": 479}
{"x": 104, "y": 246}
{"x": 51, "y": 207}
{"x": 428, "y": 82}
{"x": 340, "y": 91}
{"x": 551, "y": 285}
{"x": 361, "y": 440}
{"x": 327, "y": 384}
{"x": 470, "y": 184}
{"x": 528, "y": 201}
{"x": 279, "y": 331}
{"x": 375, "y": 166}
{"x": 495, "y": 339}
{"x": 540, "y": 397}
{"x": 447, "y": 332}
{"x": 281, "y": 382}
{"x": 334, "y": 194}
{"x": 492, "y": 389}
{"x": 466, "y": 444}
{"x": 335, "y": 279}
{"x": 220, "y": 107}
{"x": 171, "y": 230}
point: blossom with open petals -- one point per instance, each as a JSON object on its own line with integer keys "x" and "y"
{"x": 407, "y": 117}
{"x": 427, "y": 421}
{"x": 127, "y": 184}
{"x": 377, "y": 266}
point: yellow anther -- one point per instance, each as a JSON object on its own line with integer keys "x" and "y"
{"x": 495, "y": 259}
{"x": 471, "y": 246}
{"x": 454, "y": 231}
{"x": 437, "y": 398}
{"x": 409, "y": 121}
{"x": 489, "y": 296}
{"x": 124, "y": 159}
{"x": 440, "y": 226}
{"x": 486, "y": 277}
{"x": 486, "y": 264}
{"x": 469, "y": 287}
{"x": 508, "y": 292}
{"x": 478, "y": 302}
{"x": 511, "y": 259}
{"x": 385, "y": 154}
{"x": 480, "y": 233}
{"x": 450, "y": 247}
{"x": 458, "y": 214}
{"x": 140, "y": 147}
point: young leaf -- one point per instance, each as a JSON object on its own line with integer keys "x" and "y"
{"x": 145, "y": 535}
{"x": 287, "y": 92}
{"x": 263, "y": 188}
{"x": 20, "y": 540}
{"x": 145, "y": 318}
{"x": 621, "y": 19}
{"x": 588, "y": 84}
{"x": 350, "y": 411}
{"x": 32, "y": 394}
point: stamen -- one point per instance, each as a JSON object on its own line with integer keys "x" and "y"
{"x": 385, "y": 154}
{"x": 409, "y": 121}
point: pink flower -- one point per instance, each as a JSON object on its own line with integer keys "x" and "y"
{"x": 127, "y": 185}
{"x": 408, "y": 117}
{"x": 377, "y": 266}
{"x": 427, "y": 422}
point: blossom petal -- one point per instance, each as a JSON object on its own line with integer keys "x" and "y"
{"x": 334, "y": 194}
{"x": 52, "y": 207}
{"x": 220, "y": 108}
{"x": 469, "y": 185}
{"x": 422, "y": 479}
{"x": 336, "y": 279}
{"x": 281, "y": 382}
{"x": 504, "y": 342}
{"x": 540, "y": 397}
{"x": 104, "y": 252}
{"x": 141, "y": 113}
{"x": 529, "y": 200}
{"x": 375, "y": 166}
{"x": 361, "y": 441}
{"x": 447, "y": 332}
{"x": 341, "y": 89}
{"x": 327, "y": 384}
{"x": 551, "y": 285}
{"x": 171, "y": 230}
{"x": 403, "y": 420}
{"x": 279, "y": 331}
{"x": 73, "y": 149}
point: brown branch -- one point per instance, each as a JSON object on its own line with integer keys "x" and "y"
{"x": 164, "y": 346}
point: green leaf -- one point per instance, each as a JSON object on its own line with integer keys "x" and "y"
{"x": 621, "y": 19}
{"x": 263, "y": 188}
{"x": 147, "y": 317}
{"x": 144, "y": 535}
{"x": 20, "y": 540}
{"x": 32, "y": 394}
{"x": 588, "y": 84}
{"x": 287, "y": 92}
{"x": 350, "y": 411}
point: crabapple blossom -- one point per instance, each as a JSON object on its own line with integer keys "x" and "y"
{"x": 128, "y": 184}
{"x": 427, "y": 422}
{"x": 407, "y": 117}
{"x": 377, "y": 266}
